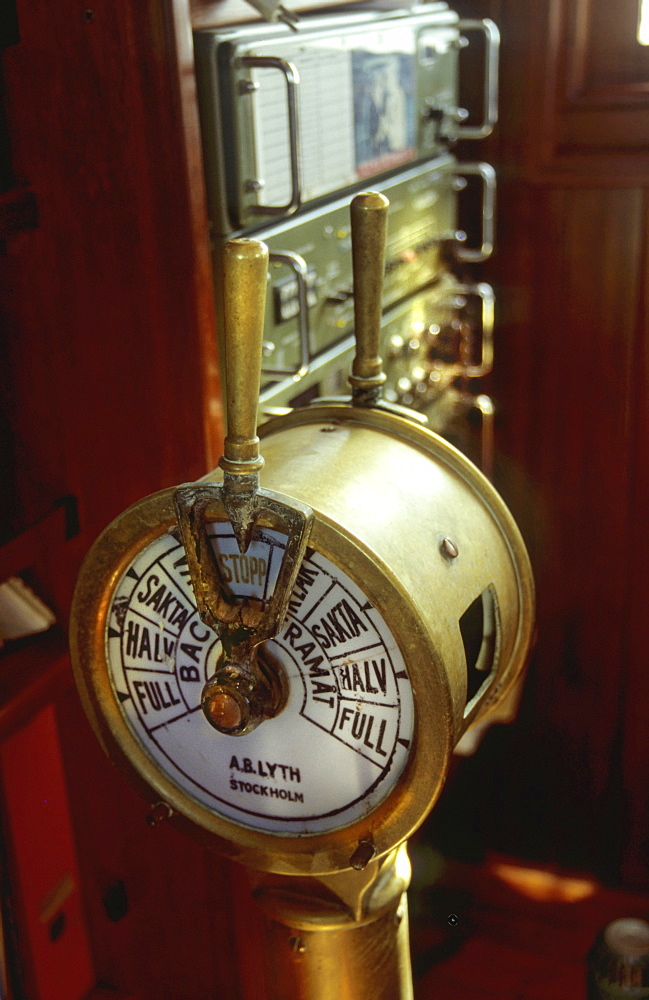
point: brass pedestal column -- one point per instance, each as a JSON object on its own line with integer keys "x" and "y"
{"x": 337, "y": 937}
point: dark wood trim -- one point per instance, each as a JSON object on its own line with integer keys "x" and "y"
{"x": 587, "y": 111}
{"x": 18, "y": 212}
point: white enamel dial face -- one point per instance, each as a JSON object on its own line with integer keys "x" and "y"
{"x": 341, "y": 742}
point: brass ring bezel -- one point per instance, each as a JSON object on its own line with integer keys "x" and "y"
{"x": 390, "y": 823}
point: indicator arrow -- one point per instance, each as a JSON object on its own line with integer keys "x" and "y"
{"x": 122, "y": 696}
{"x": 404, "y": 743}
{"x": 113, "y": 633}
{"x": 133, "y": 575}
{"x": 401, "y": 676}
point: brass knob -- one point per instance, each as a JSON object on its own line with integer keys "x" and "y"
{"x": 221, "y": 708}
{"x": 243, "y": 693}
{"x": 231, "y": 702}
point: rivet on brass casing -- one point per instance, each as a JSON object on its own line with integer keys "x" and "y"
{"x": 449, "y": 548}
{"x": 159, "y": 813}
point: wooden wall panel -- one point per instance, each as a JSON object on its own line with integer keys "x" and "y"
{"x": 112, "y": 393}
{"x": 596, "y": 88}
{"x": 109, "y": 304}
{"x": 634, "y": 741}
{"x": 566, "y": 784}
{"x": 575, "y": 451}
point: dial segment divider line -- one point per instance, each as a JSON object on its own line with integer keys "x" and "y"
{"x": 341, "y": 698}
{"x": 331, "y": 586}
{"x": 157, "y": 561}
{"x": 155, "y": 625}
{"x": 176, "y": 718}
{"x": 188, "y": 596}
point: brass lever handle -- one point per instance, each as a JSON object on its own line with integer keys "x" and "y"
{"x": 243, "y": 691}
{"x": 369, "y": 217}
{"x": 245, "y": 265}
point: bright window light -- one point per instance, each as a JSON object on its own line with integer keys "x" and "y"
{"x": 643, "y": 22}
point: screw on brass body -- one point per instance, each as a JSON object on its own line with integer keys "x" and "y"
{"x": 449, "y": 548}
{"x": 362, "y": 855}
{"x": 297, "y": 945}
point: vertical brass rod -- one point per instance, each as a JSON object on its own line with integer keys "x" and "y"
{"x": 245, "y": 268}
{"x": 369, "y": 217}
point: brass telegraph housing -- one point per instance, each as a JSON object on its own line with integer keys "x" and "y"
{"x": 357, "y": 496}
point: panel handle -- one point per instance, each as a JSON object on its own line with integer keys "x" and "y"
{"x": 299, "y": 268}
{"x": 488, "y": 176}
{"x": 292, "y": 77}
{"x": 490, "y": 92}
{"x": 369, "y": 217}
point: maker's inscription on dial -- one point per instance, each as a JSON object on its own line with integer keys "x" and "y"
{"x": 341, "y": 742}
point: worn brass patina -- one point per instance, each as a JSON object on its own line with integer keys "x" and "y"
{"x": 424, "y": 536}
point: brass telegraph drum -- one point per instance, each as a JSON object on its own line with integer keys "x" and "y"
{"x": 287, "y": 668}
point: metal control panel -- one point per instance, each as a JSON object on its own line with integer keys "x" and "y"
{"x": 428, "y": 340}
{"x": 422, "y": 220}
{"x": 289, "y": 118}
{"x": 293, "y": 123}
{"x": 309, "y": 308}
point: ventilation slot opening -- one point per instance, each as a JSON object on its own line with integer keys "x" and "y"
{"x": 479, "y": 626}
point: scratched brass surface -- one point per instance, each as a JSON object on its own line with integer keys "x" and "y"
{"x": 339, "y": 937}
{"x": 398, "y": 490}
{"x": 385, "y": 494}
{"x": 423, "y": 535}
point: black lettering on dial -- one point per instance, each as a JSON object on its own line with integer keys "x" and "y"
{"x": 338, "y": 747}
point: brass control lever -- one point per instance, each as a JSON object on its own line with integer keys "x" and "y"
{"x": 369, "y": 215}
{"x": 369, "y": 225}
{"x": 245, "y": 266}
{"x": 241, "y": 693}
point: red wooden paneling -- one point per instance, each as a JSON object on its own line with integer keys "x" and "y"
{"x": 567, "y": 782}
{"x": 110, "y": 392}
{"x": 108, "y": 311}
{"x": 596, "y": 88}
{"x": 46, "y": 878}
{"x": 634, "y": 683}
